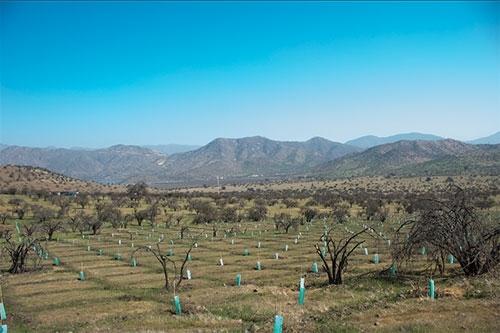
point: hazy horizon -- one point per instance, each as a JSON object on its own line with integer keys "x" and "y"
{"x": 204, "y": 143}
{"x": 145, "y": 73}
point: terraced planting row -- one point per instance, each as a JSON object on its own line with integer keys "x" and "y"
{"x": 117, "y": 296}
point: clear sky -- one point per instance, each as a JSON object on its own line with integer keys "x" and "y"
{"x": 95, "y": 74}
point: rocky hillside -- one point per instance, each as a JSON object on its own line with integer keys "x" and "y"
{"x": 254, "y": 156}
{"x": 25, "y": 178}
{"x": 444, "y": 157}
{"x": 229, "y": 158}
{"x": 116, "y": 164}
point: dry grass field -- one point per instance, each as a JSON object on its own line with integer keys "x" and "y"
{"x": 116, "y": 297}
{"x": 407, "y": 184}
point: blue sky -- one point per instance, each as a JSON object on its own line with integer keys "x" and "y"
{"x": 95, "y": 74}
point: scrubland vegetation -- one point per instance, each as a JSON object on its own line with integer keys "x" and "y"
{"x": 375, "y": 242}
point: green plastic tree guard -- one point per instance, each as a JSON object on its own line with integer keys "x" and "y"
{"x": 278, "y": 324}
{"x": 314, "y": 267}
{"x": 189, "y": 257}
{"x": 100, "y": 252}
{"x": 56, "y": 261}
{"x": 423, "y": 251}
{"x": 177, "y": 305}
{"x": 3, "y": 328}
{"x": 133, "y": 262}
{"x": 3, "y": 313}
{"x": 170, "y": 253}
{"x": 238, "y": 280}
{"x": 258, "y": 266}
{"x": 451, "y": 259}
{"x": 246, "y": 252}
{"x": 117, "y": 256}
{"x": 376, "y": 258}
{"x": 81, "y": 276}
{"x": 431, "y": 289}
{"x": 393, "y": 270}
{"x": 302, "y": 291}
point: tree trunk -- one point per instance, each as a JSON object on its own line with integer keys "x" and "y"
{"x": 165, "y": 274}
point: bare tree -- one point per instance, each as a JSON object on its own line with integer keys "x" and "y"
{"x": 285, "y": 221}
{"x": 205, "y": 212}
{"x": 42, "y": 214}
{"x": 137, "y": 191}
{"x": 183, "y": 230}
{"x": 229, "y": 215}
{"x": 164, "y": 261}
{"x": 82, "y": 199}
{"x": 169, "y": 218}
{"x": 452, "y": 226}
{"x": 51, "y": 226}
{"x": 78, "y": 222}
{"x": 152, "y": 213}
{"x": 335, "y": 256}
{"x": 178, "y": 218}
{"x": 4, "y": 217}
{"x": 340, "y": 213}
{"x": 309, "y": 213}
{"x": 20, "y": 251}
{"x": 140, "y": 216}
{"x": 94, "y": 223}
{"x": 109, "y": 213}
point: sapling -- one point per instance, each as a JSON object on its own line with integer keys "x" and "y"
{"x": 164, "y": 261}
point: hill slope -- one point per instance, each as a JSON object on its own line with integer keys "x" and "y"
{"x": 22, "y": 178}
{"x": 493, "y": 139}
{"x": 170, "y": 149}
{"x": 254, "y": 156}
{"x": 444, "y": 157}
{"x": 231, "y": 158}
{"x": 116, "y": 164}
{"x": 369, "y": 141}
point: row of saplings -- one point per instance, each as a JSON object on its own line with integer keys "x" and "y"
{"x": 445, "y": 228}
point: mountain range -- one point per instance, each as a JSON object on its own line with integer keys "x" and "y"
{"x": 490, "y": 140}
{"x": 258, "y": 158}
{"x": 171, "y": 148}
{"x": 418, "y": 157}
{"x": 369, "y": 141}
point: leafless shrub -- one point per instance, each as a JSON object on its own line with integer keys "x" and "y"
{"x": 451, "y": 226}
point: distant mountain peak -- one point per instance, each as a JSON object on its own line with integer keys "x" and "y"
{"x": 318, "y": 139}
{"x": 492, "y": 139}
{"x": 243, "y": 158}
{"x": 369, "y": 141}
{"x": 416, "y": 157}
